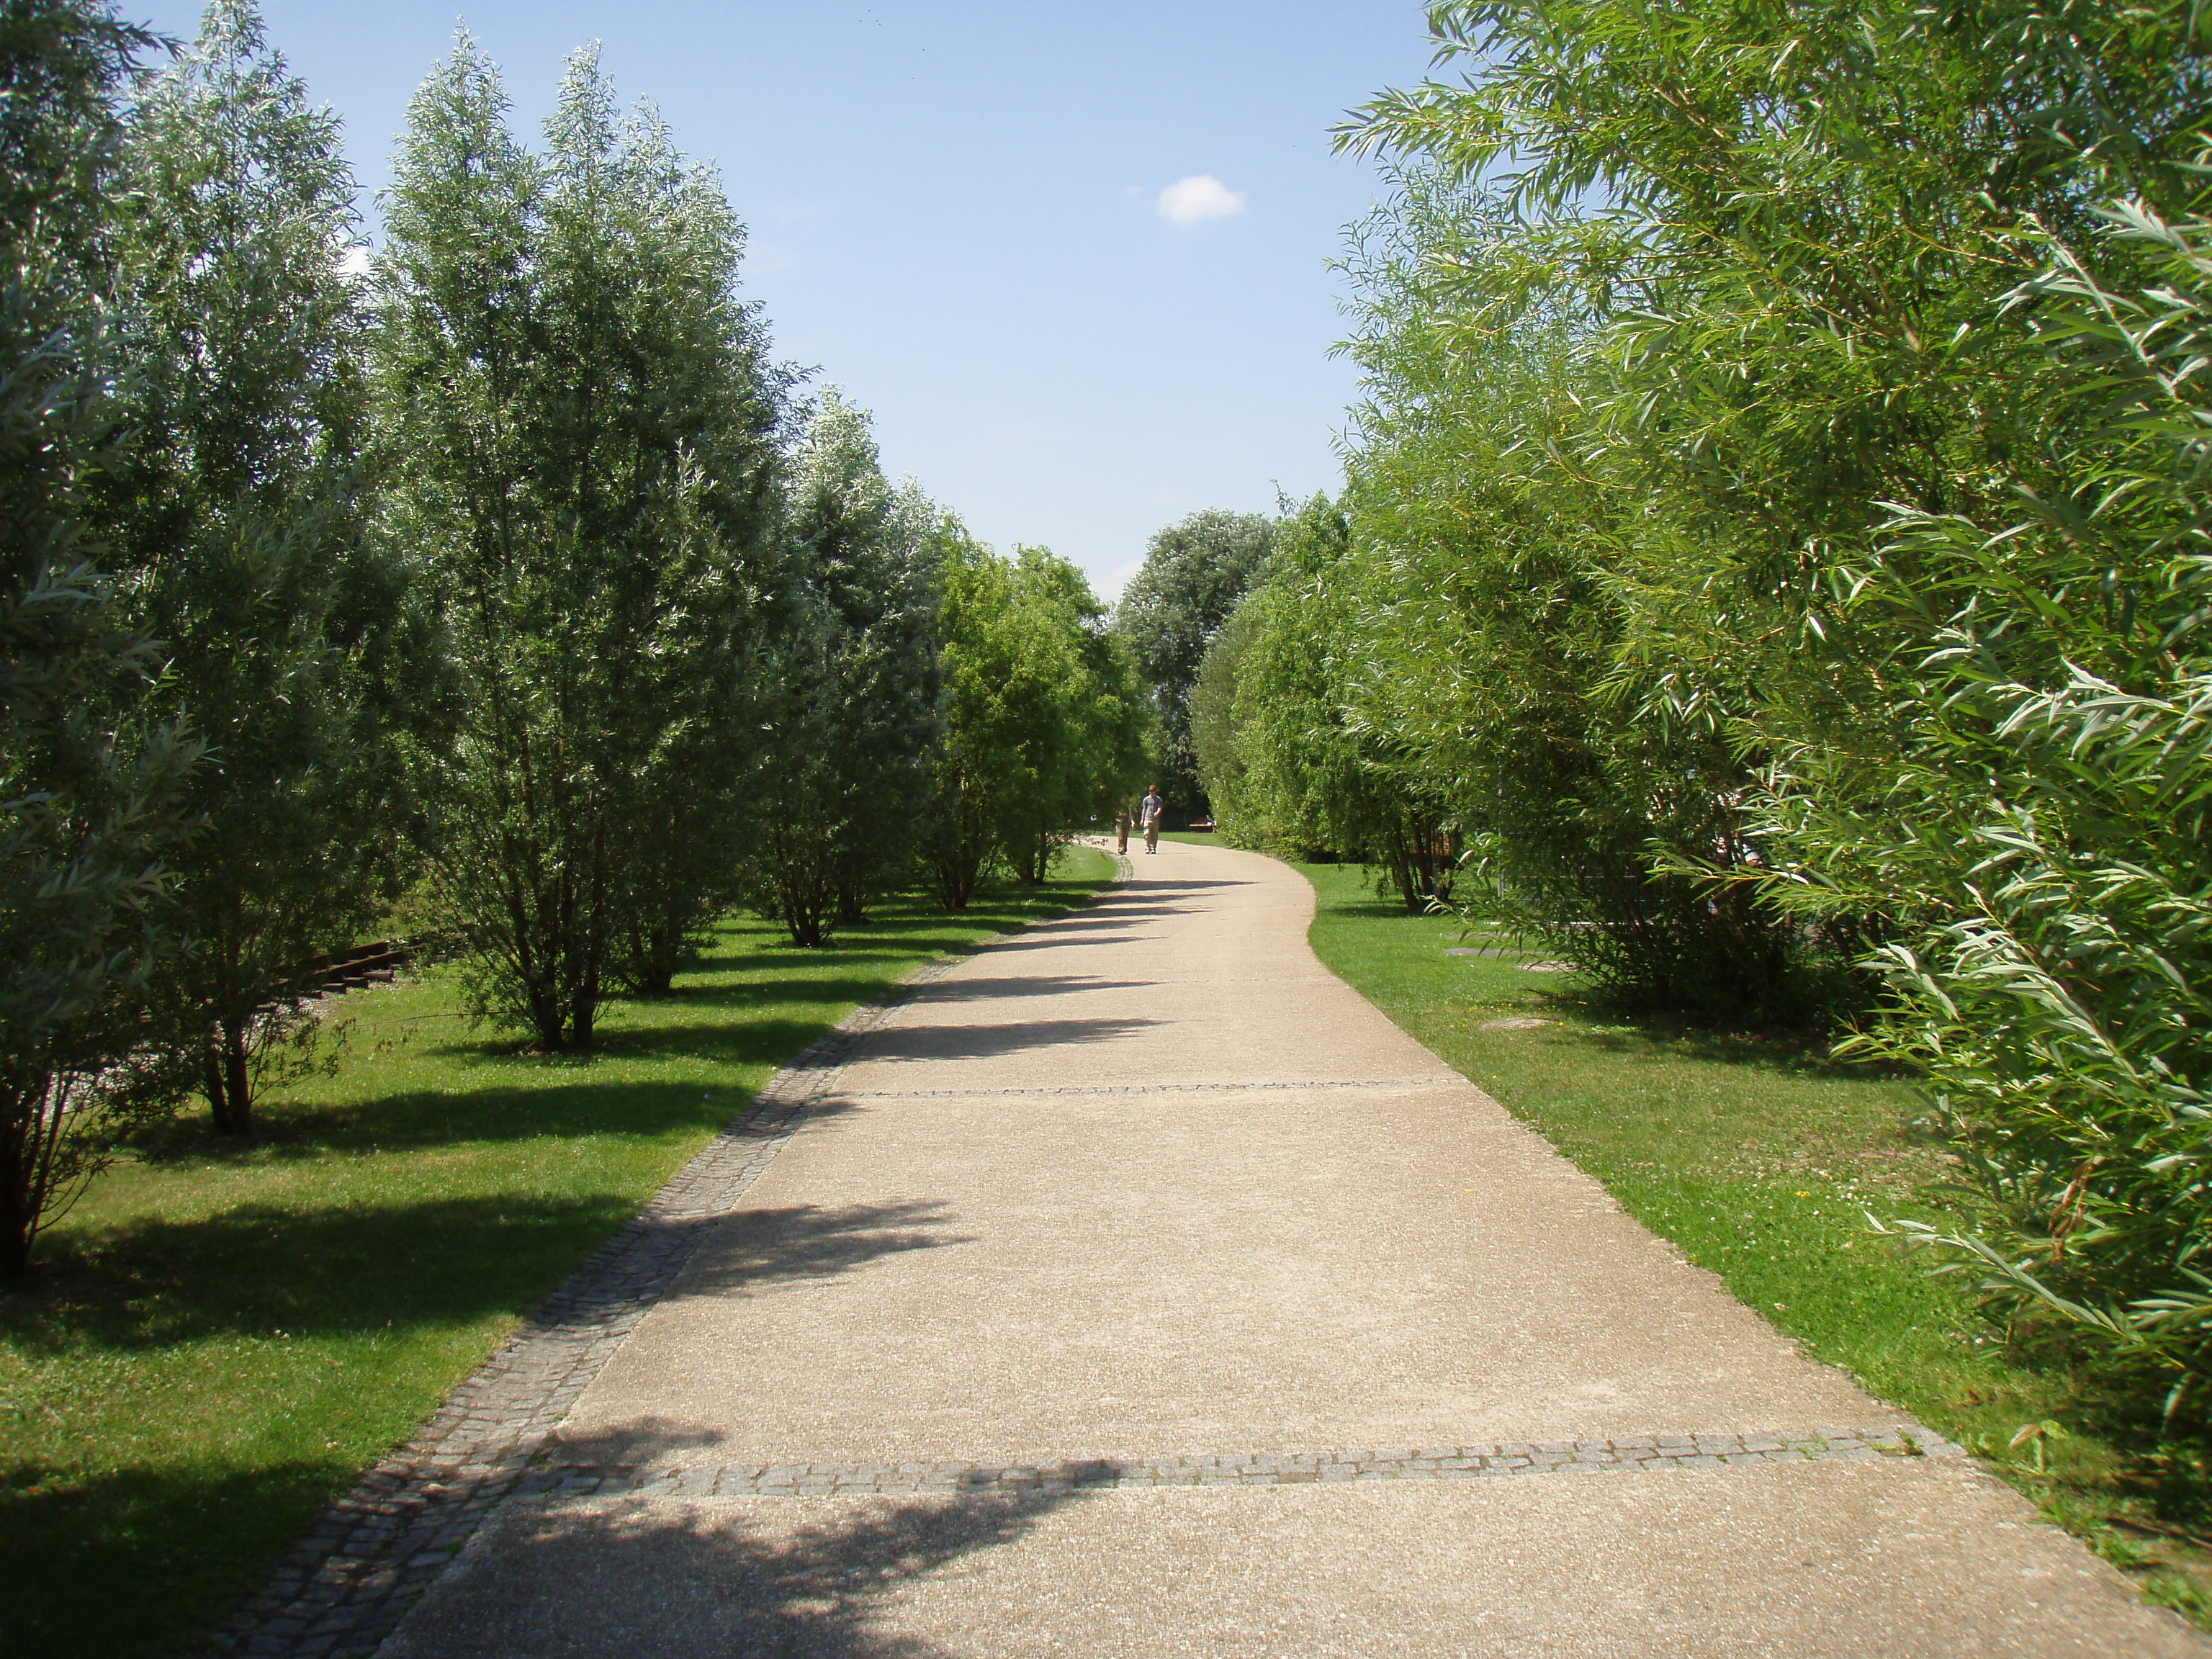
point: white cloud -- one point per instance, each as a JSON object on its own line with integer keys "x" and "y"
{"x": 355, "y": 260}
{"x": 1199, "y": 197}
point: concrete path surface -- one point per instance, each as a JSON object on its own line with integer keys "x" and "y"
{"x": 1140, "y": 1289}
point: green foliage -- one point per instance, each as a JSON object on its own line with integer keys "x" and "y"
{"x": 238, "y": 518}
{"x": 592, "y": 431}
{"x": 1855, "y": 453}
{"x": 1044, "y": 724}
{"x": 978, "y": 766}
{"x": 1301, "y": 766}
{"x": 1194, "y": 572}
{"x": 853, "y": 709}
{"x": 90, "y": 774}
{"x": 1081, "y": 748}
{"x": 1222, "y": 772}
{"x": 2058, "y": 1003}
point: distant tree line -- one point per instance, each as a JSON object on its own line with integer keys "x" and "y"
{"x": 508, "y": 584}
{"x": 1773, "y": 559}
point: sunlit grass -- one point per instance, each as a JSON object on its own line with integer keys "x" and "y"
{"x": 220, "y": 1340}
{"x": 1761, "y": 1160}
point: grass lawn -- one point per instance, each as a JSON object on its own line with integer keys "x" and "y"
{"x": 1759, "y": 1159}
{"x": 221, "y": 1337}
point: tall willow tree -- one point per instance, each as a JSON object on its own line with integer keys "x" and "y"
{"x": 590, "y": 425}
{"x": 1081, "y": 727}
{"x": 855, "y": 710}
{"x": 239, "y": 518}
{"x": 88, "y": 778}
{"x": 1046, "y": 725}
{"x": 977, "y": 769}
{"x": 1894, "y": 337}
{"x": 1194, "y": 572}
{"x": 1285, "y": 719}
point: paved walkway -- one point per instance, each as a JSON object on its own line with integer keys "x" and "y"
{"x": 1139, "y": 1288}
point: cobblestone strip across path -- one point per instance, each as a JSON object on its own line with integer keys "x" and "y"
{"x": 347, "y": 1584}
{"x": 1646, "y": 1452}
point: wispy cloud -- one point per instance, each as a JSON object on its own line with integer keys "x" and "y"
{"x": 1201, "y": 197}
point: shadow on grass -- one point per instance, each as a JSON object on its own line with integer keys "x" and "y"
{"x": 256, "y": 1270}
{"x": 119, "y": 1563}
{"x": 632, "y": 1575}
{"x": 260, "y": 1270}
{"x": 744, "y": 1039}
{"x": 556, "y": 1100}
{"x": 1631, "y": 1034}
{"x": 183, "y": 1543}
{"x": 788, "y": 957}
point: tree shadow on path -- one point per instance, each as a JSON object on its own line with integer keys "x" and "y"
{"x": 926, "y": 1043}
{"x": 773, "y": 1578}
{"x": 755, "y": 1249}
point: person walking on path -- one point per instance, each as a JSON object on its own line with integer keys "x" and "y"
{"x": 1148, "y": 814}
{"x": 1121, "y": 820}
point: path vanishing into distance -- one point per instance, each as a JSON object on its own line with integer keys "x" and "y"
{"x": 1137, "y": 1288}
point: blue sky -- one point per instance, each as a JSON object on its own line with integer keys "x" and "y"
{"x": 957, "y": 216}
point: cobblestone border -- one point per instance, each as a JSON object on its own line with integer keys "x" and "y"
{"x": 346, "y": 1585}
{"x": 1640, "y": 1453}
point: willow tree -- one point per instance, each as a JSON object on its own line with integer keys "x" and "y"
{"x": 1284, "y": 718}
{"x": 1895, "y": 332}
{"x": 1080, "y": 727}
{"x": 854, "y": 709}
{"x": 89, "y": 777}
{"x": 590, "y": 422}
{"x": 1194, "y": 572}
{"x": 240, "y": 516}
{"x": 977, "y": 766}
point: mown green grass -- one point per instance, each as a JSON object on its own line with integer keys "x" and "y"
{"x": 1761, "y": 1160}
{"x": 220, "y": 1339}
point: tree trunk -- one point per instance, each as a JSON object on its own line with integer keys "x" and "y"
{"x": 230, "y": 1080}
{"x": 214, "y": 1079}
{"x": 955, "y": 881}
{"x": 20, "y": 1200}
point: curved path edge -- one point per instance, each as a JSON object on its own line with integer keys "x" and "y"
{"x": 344, "y": 1588}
